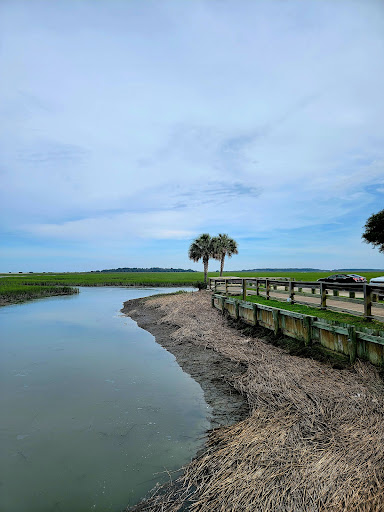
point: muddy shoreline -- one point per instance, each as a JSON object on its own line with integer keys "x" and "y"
{"x": 307, "y": 438}
{"x": 214, "y": 372}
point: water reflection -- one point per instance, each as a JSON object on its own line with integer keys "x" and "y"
{"x": 95, "y": 410}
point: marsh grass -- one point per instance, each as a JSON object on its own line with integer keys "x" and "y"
{"x": 13, "y": 293}
{"x": 151, "y": 278}
{"x": 157, "y": 279}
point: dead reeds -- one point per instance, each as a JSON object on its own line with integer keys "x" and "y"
{"x": 314, "y": 440}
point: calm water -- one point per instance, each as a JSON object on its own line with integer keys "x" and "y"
{"x": 93, "y": 410}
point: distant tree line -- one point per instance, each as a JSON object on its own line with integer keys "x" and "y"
{"x": 137, "y": 269}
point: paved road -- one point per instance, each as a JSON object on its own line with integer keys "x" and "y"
{"x": 337, "y": 304}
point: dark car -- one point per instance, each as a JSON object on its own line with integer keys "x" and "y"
{"x": 360, "y": 279}
{"x": 340, "y": 278}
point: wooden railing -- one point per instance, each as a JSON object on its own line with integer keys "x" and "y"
{"x": 350, "y": 340}
{"x": 294, "y": 289}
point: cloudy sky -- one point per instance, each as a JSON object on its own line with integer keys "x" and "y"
{"x": 127, "y": 128}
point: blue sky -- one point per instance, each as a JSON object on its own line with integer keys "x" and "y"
{"x": 127, "y": 128}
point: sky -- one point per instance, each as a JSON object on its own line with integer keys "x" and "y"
{"x": 128, "y": 128}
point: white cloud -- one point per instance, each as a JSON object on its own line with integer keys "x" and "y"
{"x": 157, "y": 225}
{"x": 252, "y": 117}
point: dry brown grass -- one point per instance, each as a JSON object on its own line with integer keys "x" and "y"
{"x": 314, "y": 440}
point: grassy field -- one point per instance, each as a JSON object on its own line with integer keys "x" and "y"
{"x": 298, "y": 276}
{"x": 22, "y": 287}
{"x": 150, "y": 278}
{"x": 108, "y": 279}
{"x": 18, "y": 287}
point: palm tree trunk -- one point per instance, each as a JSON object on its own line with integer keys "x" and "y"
{"x": 205, "y": 262}
{"x": 222, "y": 264}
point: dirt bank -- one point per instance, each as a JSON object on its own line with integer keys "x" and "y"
{"x": 313, "y": 439}
{"x": 213, "y": 371}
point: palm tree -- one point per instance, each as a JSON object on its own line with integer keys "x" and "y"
{"x": 202, "y": 248}
{"x": 223, "y": 246}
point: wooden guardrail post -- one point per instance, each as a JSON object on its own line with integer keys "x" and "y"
{"x": 313, "y": 290}
{"x": 213, "y": 301}
{"x": 367, "y": 301}
{"x": 226, "y": 286}
{"x": 244, "y": 283}
{"x": 352, "y": 295}
{"x": 237, "y": 312}
{"x": 257, "y": 287}
{"x": 308, "y": 330}
{"x": 292, "y": 291}
{"x": 267, "y": 288}
{"x": 352, "y": 343}
{"x": 276, "y": 323}
{"x": 323, "y": 296}
{"x": 254, "y": 305}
